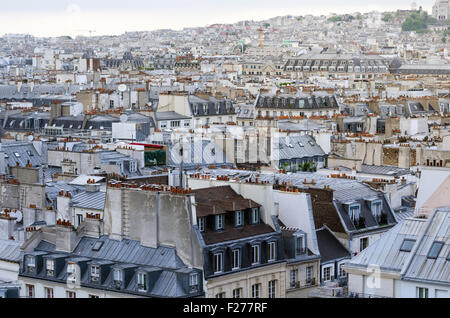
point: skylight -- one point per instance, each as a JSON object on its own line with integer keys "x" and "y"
{"x": 435, "y": 249}
{"x": 97, "y": 246}
{"x": 407, "y": 245}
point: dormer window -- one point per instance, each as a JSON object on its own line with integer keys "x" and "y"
{"x": 193, "y": 282}
{"x": 31, "y": 264}
{"x": 256, "y": 255}
{"x": 376, "y": 209}
{"x": 201, "y": 221}
{"x": 218, "y": 263}
{"x": 272, "y": 251}
{"x": 205, "y": 109}
{"x": 239, "y": 218}
{"x": 353, "y": 211}
{"x": 142, "y": 282}
{"x": 236, "y": 261}
{"x": 118, "y": 278}
{"x": 220, "y": 222}
{"x": 255, "y": 216}
{"x": 300, "y": 245}
{"x": 50, "y": 267}
{"x": 95, "y": 273}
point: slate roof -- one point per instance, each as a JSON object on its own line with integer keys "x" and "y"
{"x": 384, "y": 170}
{"x": 89, "y": 200}
{"x": 214, "y": 106}
{"x": 330, "y": 248}
{"x": 295, "y": 147}
{"x": 385, "y": 251}
{"x": 170, "y": 116}
{"x": 294, "y": 102}
{"x": 162, "y": 264}
{"x": 10, "y": 251}
{"x": 25, "y": 151}
{"x": 420, "y": 266}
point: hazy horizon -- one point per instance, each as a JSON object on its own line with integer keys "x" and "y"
{"x": 48, "y": 18}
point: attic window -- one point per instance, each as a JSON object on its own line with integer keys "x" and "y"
{"x": 31, "y": 263}
{"x": 30, "y": 153}
{"x": 354, "y": 212}
{"x": 50, "y": 270}
{"x": 97, "y": 246}
{"x": 193, "y": 280}
{"x": 142, "y": 282}
{"x": 407, "y": 245}
{"x": 435, "y": 250}
{"x": 17, "y": 154}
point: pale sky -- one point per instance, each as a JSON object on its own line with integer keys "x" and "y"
{"x": 112, "y": 17}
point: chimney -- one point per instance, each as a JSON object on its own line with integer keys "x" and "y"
{"x": 66, "y": 237}
{"x": 6, "y": 226}
{"x": 93, "y": 225}
{"x": 92, "y": 187}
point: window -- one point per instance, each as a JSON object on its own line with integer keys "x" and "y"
{"x": 293, "y": 277}
{"x": 236, "y": 259}
{"x": 79, "y": 219}
{"x": 255, "y": 254}
{"x": 93, "y": 296}
{"x": 142, "y": 282}
{"x": 30, "y": 290}
{"x": 193, "y": 279}
{"x": 407, "y": 245}
{"x": 118, "y": 275}
{"x": 255, "y": 216}
{"x": 220, "y": 222}
{"x": 435, "y": 249}
{"x": 256, "y": 291}
{"x": 97, "y": 246}
{"x": 237, "y": 293}
{"x": 95, "y": 273}
{"x": 342, "y": 272}
{"x": 175, "y": 123}
{"x": 201, "y": 224}
{"x": 239, "y": 218}
{"x": 71, "y": 294}
{"x": 272, "y": 289}
{"x": 299, "y": 245}
{"x": 272, "y": 251}
{"x": 354, "y": 212}
{"x": 376, "y": 210}
{"x": 49, "y": 292}
{"x": 422, "y": 292}
{"x": 31, "y": 263}
{"x": 218, "y": 262}
{"x": 363, "y": 243}
{"x": 327, "y": 274}
{"x": 50, "y": 267}
{"x": 309, "y": 271}
{"x": 220, "y": 295}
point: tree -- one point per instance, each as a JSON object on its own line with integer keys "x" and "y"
{"x": 308, "y": 166}
{"x": 418, "y": 22}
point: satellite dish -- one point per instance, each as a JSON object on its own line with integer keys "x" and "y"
{"x": 17, "y": 215}
{"x": 122, "y": 88}
{"x": 30, "y": 138}
{"x": 123, "y": 118}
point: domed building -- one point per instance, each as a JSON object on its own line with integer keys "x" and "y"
{"x": 441, "y": 10}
